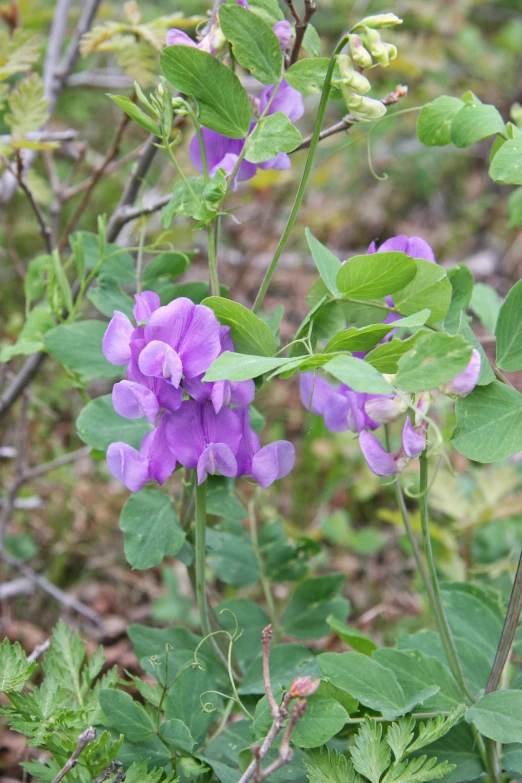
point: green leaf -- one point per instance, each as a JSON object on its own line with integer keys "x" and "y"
{"x": 223, "y": 103}
{"x": 515, "y": 208}
{"x": 126, "y": 715}
{"x": 254, "y": 44}
{"x": 151, "y": 529}
{"x": 358, "y": 374}
{"x": 231, "y": 556}
{"x": 419, "y": 770}
{"x": 119, "y": 263}
{"x": 312, "y": 41}
{"x": 34, "y": 280}
{"x": 375, "y": 275}
{"x": 461, "y": 281}
{"x": 509, "y": 331}
{"x": 324, "y": 766}
{"x": 287, "y": 661}
{"x": 63, "y": 661}
{"x": 20, "y": 49}
{"x": 385, "y": 358}
{"x": 358, "y": 339}
{"x": 62, "y": 282}
{"x": 328, "y": 265}
{"x": 177, "y": 734}
{"x": 170, "y": 264}
{"x": 186, "y": 698}
{"x": 241, "y": 367}
{"x": 14, "y": 669}
{"x": 498, "y": 716}
{"x": 357, "y": 640}
{"x": 269, "y": 10}
{"x": 370, "y": 683}
{"x": 222, "y": 500}
{"x": 308, "y": 75}
{"x": 135, "y": 113}
{"x": 487, "y": 375}
{"x": 28, "y": 106}
{"x": 370, "y": 753}
{"x": 77, "y": 347}
{"x": 435, "y": 120}
{"x": 412, "y": 321}
{"x": 436, "y": 728}
{"x": 185, "y": 200}
{"x": 323, "y": 719}
{"x": 506, "y": 166}
{"x": 272, "y": 134}
{"x": 435, "y": 359}
{"x": 37, "y": 324}
{"x": 459, "y": 747}
{"x": 489, "y": 423}
{"x": 311, "y": 602}
{"x": 475, "y": 121}
{"x": 108, "y": 297}
{"x": 140, "y": 772}
{"x": 250, "y": 334}
{"x": 430, "y": 289}
{"x": 99, "y": 425}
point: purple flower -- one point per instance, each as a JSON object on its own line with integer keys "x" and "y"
{"x": 413, "y": 439}
{"x": 287, "y": 100}
{"x": 416, "y": 247}
{"x": 385, "y": 409}
{"x": 116, "y": 340}
{"x": 146, "y": 303}
{"x": 154, "y": 460}
{"x": 284, "y": 33}
{"x": 203, "y": 439}
{"x": 315, "y": 392}
{"x": 221, "y": 393}
{"x": 379, "y": 460}
{"x": 267, "y": 464}
{"x": 181, "y": 339}
{"x": 342, "y": 408}
{"x": 465, "y": 381}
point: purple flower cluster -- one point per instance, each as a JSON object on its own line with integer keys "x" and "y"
{"x": 344, "y": 409}
{"x": 167, "y": 354}
{"x": 223, "y": 152}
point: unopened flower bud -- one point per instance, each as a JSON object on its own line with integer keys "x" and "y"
{"x": 465, "y": 381}
{"x": 422, "y": 405}
{"x": 303, "y": 686}
{"x": 384, "y": 410}
{"x": 363, "y": 108}
{"x": 352, "y": 78}
{"x": 392, "y": 51}
{"x": 379, "y": 21}
{"x": 215, "y": 42}
{"x": 360, "y": 55}
{"x": 413, "y": 439}
{"x": 375, "y": 45}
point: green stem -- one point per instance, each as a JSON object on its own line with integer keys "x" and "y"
{"x": 304, "y": 180}
{"x": 440, "y": 613}
{"x": 263, "y": 577}
{"x": 212, "y": 262}
{"x": 201, "y": 525}
{"x": 492, "y": 761}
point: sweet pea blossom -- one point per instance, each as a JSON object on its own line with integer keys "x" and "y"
{"x": 265, "y": 464}
{"x": 342, "y": 408}
{"x": 223, "y": 152}
{"x": 416, "y": 247}
{"x": 465, "y": 381}
{"x": 154, "y": 460}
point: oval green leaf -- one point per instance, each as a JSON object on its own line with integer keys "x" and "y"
{"x": 374, "y": 275}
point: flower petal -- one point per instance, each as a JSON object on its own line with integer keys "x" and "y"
{"x": 273, "y": 462}
{"x": 146, "y": 303}
{"x": 283, "y": 30}
{"x": 315, "y": 392}
{"x": 179, "y": 38}
{"x": 159, "y": 360}
{"x": 115, "y": 343}
{"x": 132, "y": 401}
{"x": 413, "y": 440}
{"x": 127, "y": 465}
{"x": 216, "y": 458}
{"x": 154, "y": 446}
{"x": 465, "y": 381}
{"x": 167, "y": 395}
{"x": 379, "y": 461}
{"x": 287, "y": 100}
{"x": 184, "y": 433}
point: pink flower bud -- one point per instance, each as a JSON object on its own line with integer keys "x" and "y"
{"x": 385, "y": 409}
{"x": 303, "y": 686}
{"x": 465, "y": 381}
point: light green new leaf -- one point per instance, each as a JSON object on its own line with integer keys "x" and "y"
{"x": 509, "y": 331}
{"x": 430, "y": 288}
{"x": 241, "y": 367}
{"x": 475, "y": 121}
{"x": 269, "y": 10}
{"x": 498, "y": 716}
{"x": 135, "y": 113}
{"x": 435, "y": 359}
{"x": 273, "y": 134}
{"x": 126, "y": 715}
{"x": 419, "y": 770}
{"x": 151, "y": 529}
{"x": 77, "y": 347}
{"x": 28, "y": 106}
{"x": 506, "y": 166}
{"x": 19, "y": 51}
{"x": 14, "y": 669}
{"x": 223, "y": 103}
{"x": 375, "y": 275}
{"x": 327, "y": 264}
{"x": 358, "y": 339}
{"x": 489, "y": 423}
{"x": 434, "y": 123}
{"x": 436, "y": 728}
{"x": 358, "y": 374}
{"x": 254, "y": 44}
{"x": 250, "y": 334}
{"x": 400, "y": 735}
{"x": 99, "y": 425}
{"x": 307, "y": 76}
{"x": 185, "y": 200}
{"x": 515, "y": 208}
{"x": 38, "y": 323}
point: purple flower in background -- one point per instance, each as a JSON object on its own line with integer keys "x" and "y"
{"x": 203, "y": 439}
{"x": 342, "y": 408}
{"x": 266, "y": 464}
{"x": 315, "y": 392}
{"x": 379, "y": 460}
{"x": 154, "y": 460}
{"x": 221, "y": 393}
{"x": 416, "y": 247}
{"x": 286, "y": 100}
{"x": 465, "y": 381}
{"x": 413, "y": 439}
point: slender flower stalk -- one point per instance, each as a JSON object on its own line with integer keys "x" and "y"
{"x": 201, "y": 525}
{"x": 304, "y": 180}
{"x": 263, "y": 577}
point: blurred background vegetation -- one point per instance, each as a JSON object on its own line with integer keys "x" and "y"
{"x": 66, "y": 523}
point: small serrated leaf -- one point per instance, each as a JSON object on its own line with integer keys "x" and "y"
{"x": 400, "y": 735}
{"x": 17, "y": 52}
{"x": 14, "y": 669}
{"x": 28, "y": 106}
{"x": 370, "y": 754}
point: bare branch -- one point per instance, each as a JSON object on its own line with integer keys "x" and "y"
{"x": 85, "y": 21}
{"x": 39, "y": 650}
{"x": 54, "y": 47}
{"x": 45, "y": 230}
{"x": 109, "y": 771}
{"x": 107, "y": 79}
{"x": 21, "y": 380}
{"x": 266, "y": 638}
{"x": 43, "y": 135}
{"x": 89, "y": 735}
{"x": 300, "y": 26}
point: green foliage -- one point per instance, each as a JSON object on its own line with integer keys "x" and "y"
{"x": 249, "y": 333}
{"x": 129, "y": 717}
{"x": 77, "y": 347}
{"x": 99, "y": 425}
{"x": 223, "y": 103}
{"x": 506, "y": 166}
{"x": 327, "y": 264}
{"x": 254, "y": 45}
{"x": 312, "y": 601}
{"x": 272, "y": 134}
{"x": 28, "y": 107}
{"x": 371, "y": 753}
{"x": 498, "y": 716}
{"x": 435, "y": 359}
{"x": 324, "y": 766}
{"x": 323, "y": 719}
{"x": 435, "y": 120}
{"x": 508, "y": 331}
{"x": 18, "y": 51}
{"x": 147, "y": 545}
{"x": 430, "y": 288}
{"x": 14, "y": 669}
{"x": 357, "y": 374}
{"x": 376, "y": 275}
{"x": 357, "y": 640}
{"x": 135, "y": 113}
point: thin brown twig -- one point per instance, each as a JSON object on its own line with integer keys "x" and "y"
{"x": 19, "y": 469}
{"x": 291, "y": 8}
{"x": 508, "y": 631}
{"x": 112, "y": 168}
{"x": 95, "y": 177}
{"x": 109, "y": 772}
{"x": 285, "y": 751}
{"x": 45, "y": 230}
{"x": 266, "y": 638}
{"x": 89, "y": 735}
{"x": 39, "y": 650}
{"x": 300, "y": 28}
